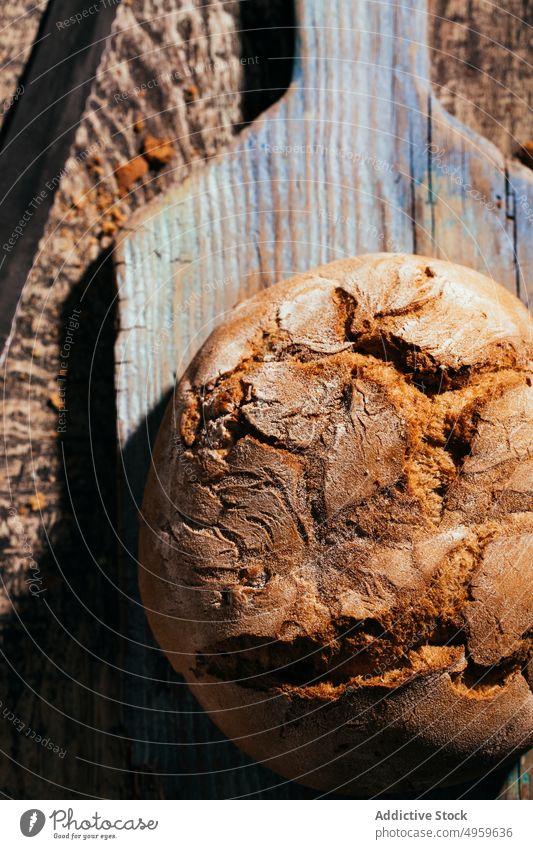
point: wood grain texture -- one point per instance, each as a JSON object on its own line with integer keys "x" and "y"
{"x": 60, "y": 669}
{"x": 518, "y": 782}
{"x": 19, "y": 25}
{"x": 358, "y": 156}
{"x": 35, "y": 688}
{"x": 482, "y": 67}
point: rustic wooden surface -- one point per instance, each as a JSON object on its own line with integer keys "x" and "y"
{"x": 43, "y": 695}
{"x": 337, "y": 167}
{"x": 481, "y": 47}
{"x": 19, "y": 25}
{"x": 60, "y": 650}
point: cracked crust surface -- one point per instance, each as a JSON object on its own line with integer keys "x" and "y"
{"x": 336, "y": 532}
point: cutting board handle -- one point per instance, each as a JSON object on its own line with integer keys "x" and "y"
{"x": 335, "y": 36}
{"x": 339, "y": 165}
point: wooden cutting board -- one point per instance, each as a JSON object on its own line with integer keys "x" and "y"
{"x": 357, "y": 156}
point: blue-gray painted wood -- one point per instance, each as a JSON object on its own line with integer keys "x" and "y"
{"x": 358, "y": 156}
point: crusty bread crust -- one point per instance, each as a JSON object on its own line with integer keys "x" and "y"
{"x": 336, "y": 531}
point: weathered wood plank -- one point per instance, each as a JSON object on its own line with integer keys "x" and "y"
{"x": 344, "y": 163}
{"x": 78, "y": 236}
{"x": 19, "y": 25}
{"x": 61, "y": 668}
{"x": 518, "y": 783}
{"x": 481, "y": 66}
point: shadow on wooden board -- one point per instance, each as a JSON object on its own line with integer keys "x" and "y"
{"x": 61, "y": 647}
{"x": 368, "y": 182}
{"x": 81, "y": 665}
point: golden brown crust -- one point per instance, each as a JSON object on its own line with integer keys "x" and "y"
{"x": 336, "y": 530}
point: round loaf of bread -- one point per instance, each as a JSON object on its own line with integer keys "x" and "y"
{"x": 336, "y": 531}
